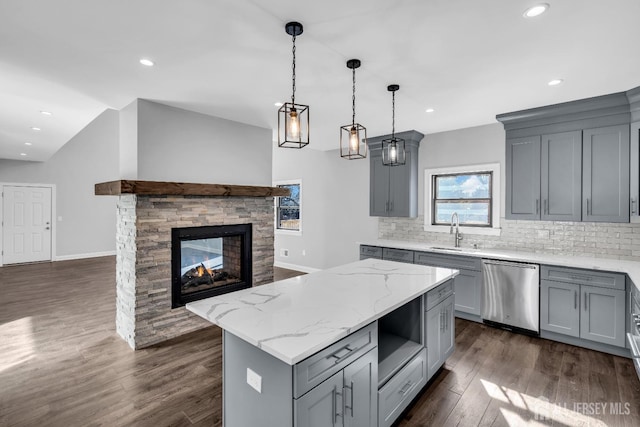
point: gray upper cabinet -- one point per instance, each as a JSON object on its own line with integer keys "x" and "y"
{"x": 582, "y": 151}
{"x": 605, "y": 190}
{"x": 561, "y": 176}
{"x": 523, "y": 178}
{"x": 393, "y": 190}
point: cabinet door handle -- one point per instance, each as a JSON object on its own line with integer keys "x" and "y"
{"x": 349, "y": 407}
{"x": 588, "y": 207}
{"x": 633, "y": 205}
{"x": 391, "y": 210}
{"x": 546, "y": 207}
{"x": 575, "y": 300}
{"x": 537, "y": 206}
{"x": 405, "y": 388}
{"x": 336, "y": 414}
{"x": 586, "y": 298}
{"x": 441, "y": 322}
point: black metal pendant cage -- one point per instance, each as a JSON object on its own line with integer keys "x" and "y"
{"x": 393, "y": 149}
{"x": 353, "y": 137}
{"x": 293, "y": 119}
{"x": 293, "y": 125}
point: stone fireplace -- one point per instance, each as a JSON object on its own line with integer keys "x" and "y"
{"x": 148, "y": 212}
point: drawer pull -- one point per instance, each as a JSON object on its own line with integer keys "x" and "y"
{"x": 338, "y": 356}
{"x": 583, "y": 278}
{"x": 405, "y": 389}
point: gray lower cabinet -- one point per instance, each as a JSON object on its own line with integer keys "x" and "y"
{"x": 440, "y": 334}
{"x": 468, "y": 282}
{"x": 582, "y": 303}
{"x": 370, "y": 252}
{"x": 605, "y": 188}
{"x": 348, "y": 398}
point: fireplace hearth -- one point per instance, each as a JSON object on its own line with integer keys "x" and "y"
{"x": 208, "y": 261}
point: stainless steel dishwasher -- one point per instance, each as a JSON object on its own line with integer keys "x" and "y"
{"x": 511, "y": 295}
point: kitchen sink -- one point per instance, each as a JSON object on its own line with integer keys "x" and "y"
{"x": 446, "y": 249}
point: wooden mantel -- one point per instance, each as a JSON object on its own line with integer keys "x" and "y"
{"x": 159, "y": 188}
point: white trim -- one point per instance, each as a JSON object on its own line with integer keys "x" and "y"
{"x": 495, "y": 198}
{"x": 54, "y": 226}
{"x": 295, "y": 267}
{"x": 275, "y": 209}
{"x": 86, "y": 255}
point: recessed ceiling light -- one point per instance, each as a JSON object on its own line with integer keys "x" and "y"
{"x": 278, "y": 104}
{"x": 23, "y": 154}
{"x": 555, "y": 82}
{"x": 147, "y": 62}
{"x": 28, "y": 143}
{"x": 430, "y": 110}
{"x": 46, "y": 113}
{"x": 36, "y": 129}
{"x": 536, "y": 10}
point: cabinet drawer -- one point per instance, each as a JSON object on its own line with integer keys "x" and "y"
{"x": 598, "y": 278}
{"x": 370, "y": 252}
{"x": 457, "y": 262}
{"x": 402, "y": 255}
{"x": 438, "y": 294}
{"x": 317, "y": 368}
{"x": 394, "y": 397}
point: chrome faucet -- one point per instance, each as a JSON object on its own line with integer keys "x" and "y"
{"x": 457, "y": 224}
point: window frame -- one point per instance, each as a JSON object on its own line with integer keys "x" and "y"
{"x": 489, "y": 199}
{"x": 496, "y": 199}
{"x": 276, "y": 210}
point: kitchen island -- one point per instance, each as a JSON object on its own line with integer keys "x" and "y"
{"x": 352, "y": 345}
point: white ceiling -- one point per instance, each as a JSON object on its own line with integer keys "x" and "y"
{"x": 467, "y": 59}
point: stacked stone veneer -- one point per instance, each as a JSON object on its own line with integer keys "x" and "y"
{"x": 590, "y": 239}
{"x": 143, "y": 257}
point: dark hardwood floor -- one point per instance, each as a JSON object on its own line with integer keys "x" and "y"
{"x": 62, "y": 364}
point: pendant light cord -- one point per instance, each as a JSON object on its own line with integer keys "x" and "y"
{"x": 353, "y": 99}
{"x": 293, "y": 69}
{"x": 393, "y": 115}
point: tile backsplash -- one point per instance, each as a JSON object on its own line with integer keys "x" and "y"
{"x": 591, "y": 239}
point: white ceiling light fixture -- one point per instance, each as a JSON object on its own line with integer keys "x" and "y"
{"x": 36, "y": 129}
{"x": 147, "y": 62}
{"x": 278, "y": 104}
{"x": 46, "y": 113}
{"x": 23, "y": 154}
{"x": 430, "y": 110}
{"x": 28, "y": 143}
{"x": 555, "y": 82}
{"x": 536, "y": 10}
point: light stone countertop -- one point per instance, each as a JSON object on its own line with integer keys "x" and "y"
{"x": 632, "y": 268}
{"x": 295, "y": 318}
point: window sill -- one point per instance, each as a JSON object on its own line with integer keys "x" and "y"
{"x": 288, "y": 232}
{"x": 464, "y": 230}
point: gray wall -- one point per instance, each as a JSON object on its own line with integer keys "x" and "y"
{"x": 88, "y": 222}
{"x": 183, "y": 146}
{"x": 335, "y": 207}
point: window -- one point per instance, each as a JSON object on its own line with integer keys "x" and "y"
{"x": 472, "y": 191}
{"x": 467, "y": 194}
{"x": 288, "y": 209}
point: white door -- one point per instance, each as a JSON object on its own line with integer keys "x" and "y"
{"x": 26, "y": 231}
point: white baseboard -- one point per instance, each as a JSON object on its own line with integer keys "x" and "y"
{"x": 295, "y": 267}
{"x": 83, "y": 256}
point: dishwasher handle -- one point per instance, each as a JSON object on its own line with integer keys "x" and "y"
{"x": 510, "y": 264}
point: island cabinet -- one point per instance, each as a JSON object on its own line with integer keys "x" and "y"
{"x": 468, "y": 282}
{"x": 440, "y": 329}
{"x": 585, "y": 304}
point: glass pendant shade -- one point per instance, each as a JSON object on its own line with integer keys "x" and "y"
{"x": 393, "y": 152}
{"x": 353, "y": 141}
{"x": 293, "y": 125}
{"x": 393, "y": 149}
{"x": 293, "y": 119}
{"x": 353, "y": 137}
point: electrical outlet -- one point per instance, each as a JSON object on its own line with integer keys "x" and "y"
{"x": 284, "y": 252}
{"x": 254, "y": 380}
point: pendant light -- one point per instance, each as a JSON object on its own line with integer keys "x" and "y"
{"x": 393, "y": 150}
{"x": 352, "y": 146}
{"x": 293, "y": 119}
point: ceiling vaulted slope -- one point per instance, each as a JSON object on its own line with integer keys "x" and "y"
{"x": 468, "y": 60}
